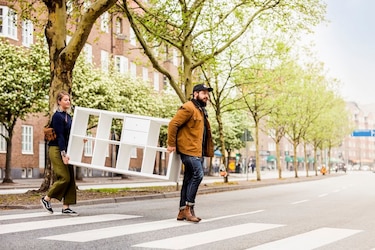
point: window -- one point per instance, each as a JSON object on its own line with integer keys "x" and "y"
{"x": 27, "y": 139}
{"x": 271, "y": 146}
{"x": 133, "y": 69}
{"x": 145, "y": 73}
{"x": 8, "y": 22}
{"x": 118, "y": 25}
{"x": 104, "y": 60}
{"x": 175, "y": 57}
{"x": 87, "y": 49}
{"x": 27, "y": 33}
{"x": 121, "y": 64}
{"x": 3, "y": 143}
{"x": 104, "y": 20}
{"x": 133, "y": 40}
{"x": 88, "y": 146}
{"x": 156, "y": 81}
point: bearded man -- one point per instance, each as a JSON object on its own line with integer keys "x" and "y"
{"x": 189, "y": 134}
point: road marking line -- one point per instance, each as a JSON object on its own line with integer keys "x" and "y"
{"x": 231, "y": 216}
{"x": 309, "y": 240}
{"x": 196, "y": 239}
{"x": 35, "y": 225}
{"x": 298, "y": 202}
{"x": 110, "y": 232}
{"x": 322, "y": 195}
{"x": 25, "y": 216}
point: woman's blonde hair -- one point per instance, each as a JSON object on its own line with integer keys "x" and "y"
{"x": 59, "y": 96}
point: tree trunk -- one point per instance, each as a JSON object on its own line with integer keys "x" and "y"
{"x": 315, "y": 161}
{"x": 8, "y": 158}
{"x": 257, "y": 157}
{"x": 306, "y": 160}
{"x": 47, "y": 179}
{"x": 295, "y": 160}
{"x": 278, "y": 165}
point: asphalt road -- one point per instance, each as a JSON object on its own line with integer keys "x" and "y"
{"x": 333, "y": 213}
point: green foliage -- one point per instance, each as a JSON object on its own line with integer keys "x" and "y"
{"x": 24, "y": 81}
{"x": 91, "y": 89}
{"x": 234, "y": 124}
{"x": 201, "y": 30}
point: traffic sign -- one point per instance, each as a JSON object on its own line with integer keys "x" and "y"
{"x": 364, "y": 132}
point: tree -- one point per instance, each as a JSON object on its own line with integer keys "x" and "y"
{"x": 333, "y": 125}
{"x": 23, "y": 83}
{"x": 64, "y": 55}
{"x": 256, "y": 87}
{"x": 187, "y": 25}
{"x": 277, "y": 120}
{"x": 309, "y": 100}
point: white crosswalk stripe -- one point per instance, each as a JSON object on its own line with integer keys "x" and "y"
{"x": 309, "y": 240}
{"x": 197, "y": 239}
{"x": 34, "y": 225}
{"x": 24, "y": 216}
{"x": 110, "y": 232}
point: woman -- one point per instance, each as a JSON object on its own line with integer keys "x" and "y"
{"x": 64, "y": 187}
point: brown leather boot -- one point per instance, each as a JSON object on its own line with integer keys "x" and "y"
{"x": 181, "y": 215}
{"x": 193, "y": 213}
{"x": 189, "y": 216}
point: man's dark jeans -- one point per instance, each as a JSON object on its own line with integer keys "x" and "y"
{"x": 193, "y": 176}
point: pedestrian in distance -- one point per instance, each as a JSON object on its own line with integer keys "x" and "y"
{"x": 189, "y": 134}
{"x": 64, "y": 186}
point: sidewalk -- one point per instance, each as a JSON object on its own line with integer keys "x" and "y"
{"x": 23, "y": 185}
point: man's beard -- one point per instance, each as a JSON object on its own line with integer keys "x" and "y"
{"x": 201, "y": 102}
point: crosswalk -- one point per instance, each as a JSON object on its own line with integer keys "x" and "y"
{"x": 31, "y": 222}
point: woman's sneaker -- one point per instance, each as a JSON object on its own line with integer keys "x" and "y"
{"x": 68, "y": 211}
{"x": 46, "y": 205}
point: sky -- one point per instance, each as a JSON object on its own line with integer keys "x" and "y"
{"x": 346, "y": 45}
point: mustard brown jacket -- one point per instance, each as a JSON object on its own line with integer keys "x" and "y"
{"x": 185, "y": 131}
